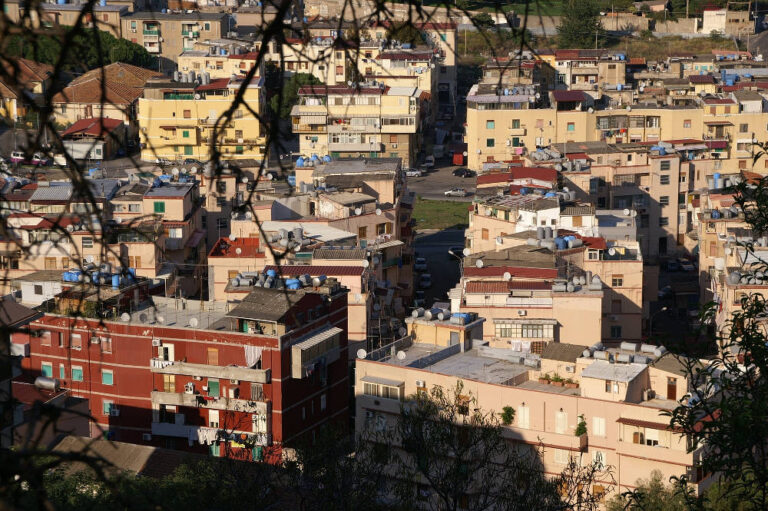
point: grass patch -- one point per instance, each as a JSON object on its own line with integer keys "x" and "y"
{"x": 440, "y": 214}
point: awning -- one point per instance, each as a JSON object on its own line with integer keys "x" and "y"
{"x": 717, "y": 144}
{"x": 194, "y": 240}
{"x": 318, "y": 338}
{"x": 646, "y": 424}
{"x": 718, "y": 123}
{"x": 381, "y": 381}
{"x": 312, "y": 119}
{"x": 690, "y": 147}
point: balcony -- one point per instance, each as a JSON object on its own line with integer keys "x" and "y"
{"x": 151, "y": 32}
{"x": 174, "y": 243}
{"x": 152, "y": 48}
{"x": 373, "y": 147}
{"x": 309, "y": 128}
{"x": 220, "y": 403}
{"x": 192, "y": 34}
{"x": 188, "y": 431}
{"x": 209, "y": 371}
{"x": 517, "y": 132}
{"x": 346, "y": 128}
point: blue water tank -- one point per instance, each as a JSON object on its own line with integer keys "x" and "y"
{"x": 115, "y": 281}
{"x": 315, "y": 157}
{"x": 662, "y": 151}
{"x": 729, "y": 83}
{"x": 300, "y": 162}
{"x": 621, "y": 56}
{"x": 550, "y": 194}
{"x": 103, "y": 3}
{"x": 619, "y": 86}
{"x": 132, "y": 274}
{"x": 292, "y": 284}
{"x": 326, "y": 158}
{"x": 66, "y": 276}
{"x": 156, "y": 183}
{"x": 271, "y": 273}
{"x": 523, "y": 191}
{"x": 715, "y": 214}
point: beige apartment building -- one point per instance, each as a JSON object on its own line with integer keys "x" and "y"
{"x": 167, "y": 35}
{"x": 620, "y": 393}
{"x": 369, "y": 121}
{"x": 104, "y": 17}
{"x": 217, "y": 60}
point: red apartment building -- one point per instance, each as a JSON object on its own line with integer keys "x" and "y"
{"x": 243, "y": 383}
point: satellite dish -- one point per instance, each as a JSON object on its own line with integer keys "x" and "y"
{"x": 465, "y": 153}
{"x": 366, "y": 264}
{"x": 634, "y": 213}
{"x": 378, "y": 211}
{"x": 232, "y": 237}
{"x": 499, "y": 240}
{"x": 376, "y": 307}
{"x": 238, "y": 251}
{"x": 402, "y": 331}
{"x": 160, "y": 319}
{"x": 358, "y": 211}
{"x": 612, "y": 251}
{"x": 479, "y": 263}
{"x": 70, "y": 228}
{"x": 143, "y": 317}
{"x": 507, "y": 275}
{"x": 193, "y": 322}
{"x": 125, "y": 317}
{"x": 361, "y": 353}
{"x": 358, "y": 297}
{"x": 245, "y": 179}
{"x": 400, "y": 355}
{"x": 89, "y": 259}
{"x": 175, "y": 171}
{"x": 466, "y": 252}
{"x": 193, "y": 170}
{"x": 270, "y": 177}
{"x": 626, "y": 212}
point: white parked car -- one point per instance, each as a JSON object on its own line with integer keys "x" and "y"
{"x": 456, "y": 192}
{"x": 425, "y": 281}
{"x": 429, "y": 162}
{"x": 420, "y": 264}
{"x": 413, "y": 172}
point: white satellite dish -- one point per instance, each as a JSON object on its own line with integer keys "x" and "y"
{"x": 358, "y": 211}
{"x": 143, "y": 317}
{"x": 193, "y": 322}
{"x": 89, "y": 259}
{"x": 232, "y": 237}
{"x": 175, "y": 171}
{"x": 366, "y": 264}
{"x": 125, "y": 317}
{"x": 479, "y": 263}
{"x": 361, "y": 353}
{"x": 193, "y": 170}
{"x": 626, "y": 212}
{"x": 507, "y": 275}
{"x": 378, "y": 211}
{"x": 270, "y": 177}
{"x": 466, "y": 252}
{"x": 70, "y": 228}
{"x": 160, "y": 319}
{"x": 400, "y": 355}
{"x": 245, "y": 179}
{"x": 238, "y": 251}
{"x": 465, "y": 153}
{"x": 612, "y": 251}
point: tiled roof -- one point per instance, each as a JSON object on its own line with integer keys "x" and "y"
{"x": 498, "y": 271}
{"x": 92, "y": 92}
{"x": 487, "y": 286}
{"x": 562, "y": 351}
{"x": 118, "y": 73}
{"x": 568, "y": 95}
{"x": 313, "y": 270}
{"x": 339, "y": 253}
{"x": 92, "y": 127}
{"x": 701, "y": 79}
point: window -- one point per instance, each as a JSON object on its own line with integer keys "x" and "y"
{"x": 50, "y": 263}
{"x": 743, "y": 128}
{"x": 87, "y": 242}
{"x": 561, "y": 422}
{"x": 463, "y": 405}
{"x": 107, "y": 377}
{"x": 213, "y": 388}
{"x": 187, "y": 114}
{"x": 76, "y": 341}
{"x": 46, "y": 368}
{"x": 77, "y": 373}
{"x": 385, "y": 391}
{"x": 616, "y": 306}
{"x": 489, "y": 142}
{"x": 664, "y": 200}
{"x": 159, "y": 207}
{"x": 260, "y": 422}
{"x": 45, "y": 337}
{"x": 489, "y": 125}
{"x": 362, "y": 232}
{"x": 598, "y": 458}
{"x": 213, "y": 418}
{"x": 62, "y": 372}
{"x": 687, "y": 123}
{"x": 615, "y": 332}
{"x": 523, "y": 417}
{"x": 524, "y": 330}
{"x": 339, "y": 70}
{"x": 598, "y": 426}
{"x": 742, "y": 164}
{"x": 562, "y": 457}
{"x": 617, "y": 281}
{"x": 169, "y": 383}
{"x": 571, "y": 126}
{"x": 663, "y": 221}
{"x": 484, "y": 234}
{"x": 515, "y": 124}
{"x": 106, "y": 407}
{"x": 323, "y": 402}
{"x": 664, "y": 180}
{"x": 106, "y": 344}
{"x": 664, "y": 165}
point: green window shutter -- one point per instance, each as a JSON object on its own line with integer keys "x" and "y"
{"x": 188, "y": 150}
{"x": 47, "y": 370}
{"x": 107, "y": 377}
{"x": 159, "y": 207}
{"x": 214, "y": 449}
{"x": 185, "y": 134}
{"x": 77, "y": 374}
{"x": 213, "y": 388}
{"x": 258, "y": 453}
{"x": 62, "y": 371}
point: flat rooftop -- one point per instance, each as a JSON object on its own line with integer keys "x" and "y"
{"x": 359, "y": 166}
{"x": 472, "y": 366}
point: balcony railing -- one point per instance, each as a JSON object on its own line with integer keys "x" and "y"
{"x": 188, "y": 431}
{"x": 217, "y": 403}
{"x": 311, "y": 128}
{"x": 190, "y": 33}
{"x": 373, "y": 147}
{"x": 210, "y": 371}
{"x": 174, "y": 243}
{"x": 151, "y": 31}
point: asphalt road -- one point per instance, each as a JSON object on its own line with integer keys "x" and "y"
{"x": 444, "y": 268}
{"x": 441, "y": 179}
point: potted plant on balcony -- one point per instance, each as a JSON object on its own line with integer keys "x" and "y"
{"x": 545, "y": 379}
{"x": 569, "y": 383}
{"x": 581, "y": 427}
{"x": 507, "y": 415}
{"x": 557, "y": 380}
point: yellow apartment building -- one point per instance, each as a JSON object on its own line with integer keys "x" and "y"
{"x": 216, "y": 59}
{"x": 103, "y": 17}
{"x": 369, "y": 121}
{"x": 178, "y": 120}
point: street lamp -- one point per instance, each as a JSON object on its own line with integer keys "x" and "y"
{"x": 650, "y": 321}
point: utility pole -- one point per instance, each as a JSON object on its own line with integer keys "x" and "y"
{"x": 687, "y": 2}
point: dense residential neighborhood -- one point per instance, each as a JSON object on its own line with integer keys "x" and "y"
{"x": 244, "y": 226}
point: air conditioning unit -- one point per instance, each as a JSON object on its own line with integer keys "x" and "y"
{"x": 189, "y": 388}
{"x": 95, "y": 340}
{"x": 185, "y": 68}
{"x": 205, "y": 388}
{"x": 394, "y": 146}
{"x": 157, "y": 342}
{"x": 147, "y": 437}
{"x": 522, "y": 312}
{"x": 239, "y": 140}
{"x": 197, "y": 378}
{"x": 234, "y": 382}
{"x": 570, "y": 369}
{"x": 114, "y": 412}
{"x": 421, "y": 383}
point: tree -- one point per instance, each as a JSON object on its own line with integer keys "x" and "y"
{"x": 282, "y": 103}
{"x": 651, "y": 495}
{"x": 484, "y": 21}
{"x": 580, "y": 26}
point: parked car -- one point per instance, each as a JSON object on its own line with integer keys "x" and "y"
{"x": 163, "y": 161}
{"x": 456, "y": 192}
{"x": 17, "y": 157}
{"x": 39, "y": 159}
{"x": 420, "y": 264}
{"x": 462, "y": 172}
{"x": 686, "y": 265}
{"x": 411, "y": 172}
{"x": 425, "y": 281}
{"x": 429, "y": 162}
{"x": 192, "y": 161}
